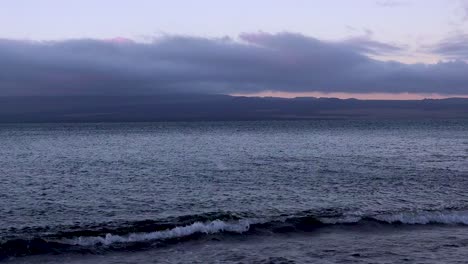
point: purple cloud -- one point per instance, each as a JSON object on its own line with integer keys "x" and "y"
{"x": 256, "y": 62}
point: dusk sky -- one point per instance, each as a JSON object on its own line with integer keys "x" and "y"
{"x": 396, "y": 49}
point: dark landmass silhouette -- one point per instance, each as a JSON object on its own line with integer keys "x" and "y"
{"x": 198, "y": 107}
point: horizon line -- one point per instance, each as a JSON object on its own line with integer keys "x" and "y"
{"x": 358, "y": 96}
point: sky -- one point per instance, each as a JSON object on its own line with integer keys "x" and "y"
{"x": 400, "y": 49}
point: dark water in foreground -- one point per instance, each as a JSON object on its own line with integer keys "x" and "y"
{"x": 235, "y": 192}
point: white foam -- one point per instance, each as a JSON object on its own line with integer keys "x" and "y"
{"x": 449, "y": 218}
{"x": 177, "y": 232}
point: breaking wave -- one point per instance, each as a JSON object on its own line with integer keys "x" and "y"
{"x": 137, "y": 235}
{"x": 425, "y": 218}
{"x": 212, "y": 227}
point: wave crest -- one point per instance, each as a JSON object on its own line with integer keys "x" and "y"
{"x": 212, "y": 227}
{"x": 426, "y": 218}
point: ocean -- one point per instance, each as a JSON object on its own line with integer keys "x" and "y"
{"x": 315, "y": 191}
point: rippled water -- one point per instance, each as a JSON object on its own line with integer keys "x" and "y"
{"x": 276, "y": 191}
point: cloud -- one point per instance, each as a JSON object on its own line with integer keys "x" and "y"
{"x": 455, "y": 47}
{"x": 254, "y": 62}
{"x": 368, "y": 46}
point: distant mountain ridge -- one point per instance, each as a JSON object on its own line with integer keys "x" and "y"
{"x": 193, "y": 107}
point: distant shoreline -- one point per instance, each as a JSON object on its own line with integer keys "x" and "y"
{"x": 195, "y": 107}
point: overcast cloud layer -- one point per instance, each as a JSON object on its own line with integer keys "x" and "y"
{"x": 254, "y": 63}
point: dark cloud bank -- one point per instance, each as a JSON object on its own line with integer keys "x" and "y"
{"x": 183, "y": 78}
{"x": 256, "y": 62}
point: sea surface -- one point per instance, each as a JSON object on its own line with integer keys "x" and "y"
{"x": 318, "y": 191}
